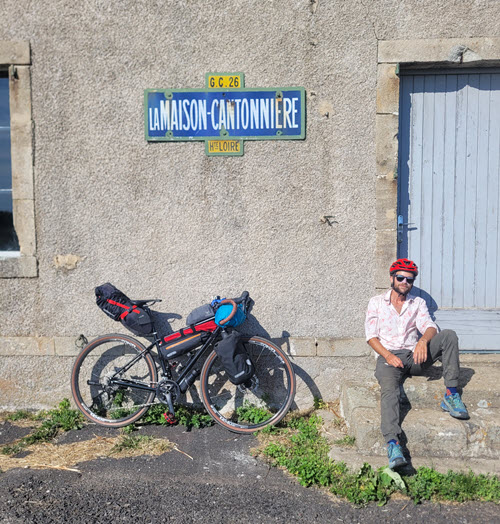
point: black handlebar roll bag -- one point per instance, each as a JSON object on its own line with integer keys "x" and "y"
{"x": 234, "y": 358}
{"x": 120, "y": 308}
{"x": 200, "y": 314}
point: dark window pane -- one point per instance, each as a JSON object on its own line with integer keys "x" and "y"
{"x": 5, "y": 170}
{"x": 4, "y": 99}
{"x": 8, "y": 237}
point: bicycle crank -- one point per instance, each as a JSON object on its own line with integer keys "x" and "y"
{"x": 167, "y": 392}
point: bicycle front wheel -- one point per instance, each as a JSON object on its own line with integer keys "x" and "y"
{"x": 261, "y": 402}
{"x": 110, "y": 380}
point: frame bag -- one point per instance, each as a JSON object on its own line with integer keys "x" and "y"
{"x": 182, "y": 342}
{"x": 234, "y": 358}
{"x": 120, "y": 308}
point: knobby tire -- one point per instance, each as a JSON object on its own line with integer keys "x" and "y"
{"x": 103, "y": 401}
{"x": 261, "y": 403}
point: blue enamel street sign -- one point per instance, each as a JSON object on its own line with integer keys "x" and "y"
{"x": 223, "y": 114}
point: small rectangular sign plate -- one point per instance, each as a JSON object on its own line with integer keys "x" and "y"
{"x": 224, "y": 147}
{"x": 224, "y": 80}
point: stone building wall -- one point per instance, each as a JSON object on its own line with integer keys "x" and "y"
{"x": 163, "y": 219}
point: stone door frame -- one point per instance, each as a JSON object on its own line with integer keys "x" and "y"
{"x": 393, "y": 54}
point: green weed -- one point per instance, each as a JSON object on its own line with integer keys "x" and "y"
{"x": 187, "y": 416}
{"x": 131, "y": 442}
{"x": 428, "y": 484}
{"x": 21, "y": 414}
{"x": 61, "y": 418}
{"x": 304, "y": 452}
{"x": 319, "y": 403}
{"x": 345, "y": 441}
{"x": 253, "y": 414}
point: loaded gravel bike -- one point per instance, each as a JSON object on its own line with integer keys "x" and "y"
{"x": 115, "y": 378}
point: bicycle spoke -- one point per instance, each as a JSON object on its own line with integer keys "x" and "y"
{"x": 105, "y": 378}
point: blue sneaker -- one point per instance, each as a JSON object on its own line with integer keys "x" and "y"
{"x": 454, "y": 405}
{"x": 396, "y": 457}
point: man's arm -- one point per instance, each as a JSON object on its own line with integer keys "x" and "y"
{"x": 390, "y": 357}
{"x": 428, "y": 329}
{"x": 420, "y": 351}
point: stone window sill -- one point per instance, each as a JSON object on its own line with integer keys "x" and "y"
{"x": 21, "y": 266}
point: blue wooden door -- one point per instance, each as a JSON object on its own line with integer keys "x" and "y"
{"x": 449, "y": 197}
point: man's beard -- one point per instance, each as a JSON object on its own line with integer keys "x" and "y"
{"x": 400, "y": 293}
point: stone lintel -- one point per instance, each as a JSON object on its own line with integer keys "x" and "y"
{"x": 454, "y": 50}
{"x": 15, "y": 53}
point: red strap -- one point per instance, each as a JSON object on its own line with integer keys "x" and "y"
{"x": 117, "y": 304}
{"x": 125, "y": 313}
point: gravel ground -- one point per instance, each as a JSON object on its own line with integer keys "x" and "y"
{"x": 222, "y": 483}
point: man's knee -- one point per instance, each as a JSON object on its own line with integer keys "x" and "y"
{"x": 388, "y": 383}
{"x": 449, "y": 335}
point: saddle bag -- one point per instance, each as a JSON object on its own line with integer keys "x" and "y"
{"x": 234, "y": 358}
{"x": 120, "y": 308}
{"x": 181, "y": 342}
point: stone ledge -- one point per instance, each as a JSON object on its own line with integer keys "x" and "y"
{"x": 326, "y": 347}
{"x": 323, "y": 377}
{"x": 26, "y": 346}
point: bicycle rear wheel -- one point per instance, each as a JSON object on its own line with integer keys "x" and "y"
{"x": 264, "y": 401}
{"x": 107, "y": 377}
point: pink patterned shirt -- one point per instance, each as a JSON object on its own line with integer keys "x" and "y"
{"x": 397, "y": 330}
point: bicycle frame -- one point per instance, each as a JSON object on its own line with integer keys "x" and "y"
{"x": 165, "y": 365}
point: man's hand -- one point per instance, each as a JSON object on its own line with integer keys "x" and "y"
{"x": 420, "y": 352}
{"x": 394, "y": 361}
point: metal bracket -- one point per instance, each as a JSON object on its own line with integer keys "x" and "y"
{"x": 326, "y": 219}
{"x": 81, "y": 341}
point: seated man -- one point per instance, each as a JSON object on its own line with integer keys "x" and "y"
{"x": 393, "y": 322}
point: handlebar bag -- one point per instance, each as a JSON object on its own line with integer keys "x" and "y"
{"x": 120, "y": 308}
{"x": 225, "y": 310}
{"x": 200, "y": 314}
{"x": 234, "y": 358}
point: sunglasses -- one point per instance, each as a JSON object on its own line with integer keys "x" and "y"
{"x": 410, "y": 280}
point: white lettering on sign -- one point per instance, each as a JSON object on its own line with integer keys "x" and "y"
{"x": 234, "y": 115}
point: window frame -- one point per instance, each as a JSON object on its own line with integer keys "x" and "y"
{"x": 23, "y": 263}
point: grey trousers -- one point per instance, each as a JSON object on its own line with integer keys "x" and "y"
{"x": 444, "y": 347}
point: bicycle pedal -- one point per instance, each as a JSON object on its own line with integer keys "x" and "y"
{"x": 170, "y": 418}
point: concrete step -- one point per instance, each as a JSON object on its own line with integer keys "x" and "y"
{"x": 479, "y": 384}
{"x": 429, "y": 431}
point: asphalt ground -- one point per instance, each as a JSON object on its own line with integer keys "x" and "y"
{"x": 213, "y": 477}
